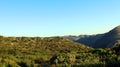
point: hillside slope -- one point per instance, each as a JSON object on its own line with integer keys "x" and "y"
{"x": 50, "y": 43}
{"x": 88, "y": 40}
{"x": 106, "y": 40}
{"x": 109, "y": 39}
{"x": 28, "y": 51}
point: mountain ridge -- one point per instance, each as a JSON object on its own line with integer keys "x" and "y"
{"x": 105, "y": 40}
{"x": 109, "y": 39}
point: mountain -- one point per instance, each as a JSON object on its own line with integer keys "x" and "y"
{"x": 106, "y": 40}
{"x": 88, "y": 40}
{"x": 75, "y": 38}
{"x": 109, "y": 39}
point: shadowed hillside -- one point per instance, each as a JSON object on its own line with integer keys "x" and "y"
{"x": 100, "y": 40}
{"x": 109, "y": 39}
{"x": 88, "y": 40}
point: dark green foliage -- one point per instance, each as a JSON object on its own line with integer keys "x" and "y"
{"x": 22, "y": 64}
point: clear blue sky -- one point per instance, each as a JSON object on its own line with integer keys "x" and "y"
{"x": 58, "y": 17}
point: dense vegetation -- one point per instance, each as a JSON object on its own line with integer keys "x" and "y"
{"x": 34, "y": 51}
{"x": 54, "y": 52}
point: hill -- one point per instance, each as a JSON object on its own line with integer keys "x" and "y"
{"x": 88, "y": 40}
{"x": 28, "y": 51}
{"x": 51, "y": 43}
{"x": 106, "y": 40}
{"x": 109, "y": 39}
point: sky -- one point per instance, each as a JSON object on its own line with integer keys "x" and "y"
{"x": 46, "y": 18}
